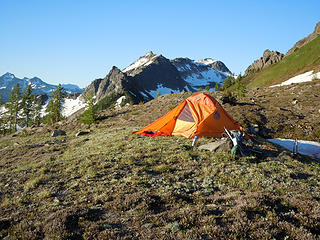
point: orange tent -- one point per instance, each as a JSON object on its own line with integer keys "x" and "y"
{"x": 198, "y": 115}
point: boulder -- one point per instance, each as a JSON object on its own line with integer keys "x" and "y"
{"x": 222, "y": 145}
{"x": 58, "y": 132}
{"x": 81, "y": 133}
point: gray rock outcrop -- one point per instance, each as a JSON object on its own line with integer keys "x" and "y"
{"x": 57, "y": 132}
{"x": 268, "y": 58}
{"x": 116, "y": 82}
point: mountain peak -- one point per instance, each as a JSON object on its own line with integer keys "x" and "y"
{"x": 150, "y": 53}
{"x": 206, "y": 61}
{"x": 143, "y": 61}
{"x": 8, "y": 75}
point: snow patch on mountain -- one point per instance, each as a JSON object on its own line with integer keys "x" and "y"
{"x": 162, "y": 90}
{"x": 204, "y": 78}
{"x": 119, "y": 101}
{"x": 305, "y": 77}
{"x": 142, "y": 62}
{"x": 206, "y": 61}
{"x": 71, "y": 106}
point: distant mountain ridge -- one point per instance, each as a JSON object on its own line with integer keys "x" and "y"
{"x": 154, "y": 74}
{"x": 39, "y": 87}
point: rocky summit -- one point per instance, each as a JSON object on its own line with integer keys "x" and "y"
{"x": 268, "y": 58}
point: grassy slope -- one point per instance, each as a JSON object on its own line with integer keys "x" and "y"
{"x": 111, "y": 184}
{"x": 304, "y": 59}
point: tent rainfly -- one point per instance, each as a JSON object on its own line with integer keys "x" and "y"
{"x": 199, "y": 115}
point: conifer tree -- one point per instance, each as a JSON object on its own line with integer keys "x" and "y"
{"x": 37, "y": 111}
{"x": 27, "y": 105}
{"x": 239, "y": 87}
{"x": 158, "y": 94}
{"x": 55, "y": 104}
{"x": 217, "y": 87}
{"x": 14, "y": 107}
{"x": 90, "y": 114}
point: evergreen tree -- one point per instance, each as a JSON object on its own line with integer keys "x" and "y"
{"x": 217, "y": 87}
{"x": 14, "y": 107}
{"x": 37, "y": 112}
{"x": 55, "y": 104}
{"x": 208, "y": 88}
{"x": 90, "y": 114}
{"x": 27, "y": 105}
{"x": 239, "y": 87}
{"x": 228, "y": 82}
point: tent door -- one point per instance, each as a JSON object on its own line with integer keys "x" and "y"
{"x": 185, "y": 123}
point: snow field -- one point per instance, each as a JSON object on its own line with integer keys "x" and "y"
{"x": 305, "y": 77}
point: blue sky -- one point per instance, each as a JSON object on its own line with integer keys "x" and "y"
{"x": 65, "y": 41}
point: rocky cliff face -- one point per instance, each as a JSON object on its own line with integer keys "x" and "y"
{"x": 115, "y": 82}
{"x": 268, "y": 58}
{"x": 305, "y": 40}
{"x": 159, "y": 73}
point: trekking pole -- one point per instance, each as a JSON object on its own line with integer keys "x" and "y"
{"x": 194, "y": 141}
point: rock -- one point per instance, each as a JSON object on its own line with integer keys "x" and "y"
{"x": 174, "y": 226}
{"x": 81, "y": 133}
{"x": 115, "y": 83}
{"x": 268, "y": 58}
{"x": 223, "y": 145}
{"x": 57, "y": 132}
{"x": 254, "y": 129}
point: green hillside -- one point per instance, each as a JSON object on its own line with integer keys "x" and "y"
{"x": 304, "y": 59}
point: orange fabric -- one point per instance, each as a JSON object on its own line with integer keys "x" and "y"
{"x": 209, "y": 119}
{"x": 166, "y": 123}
